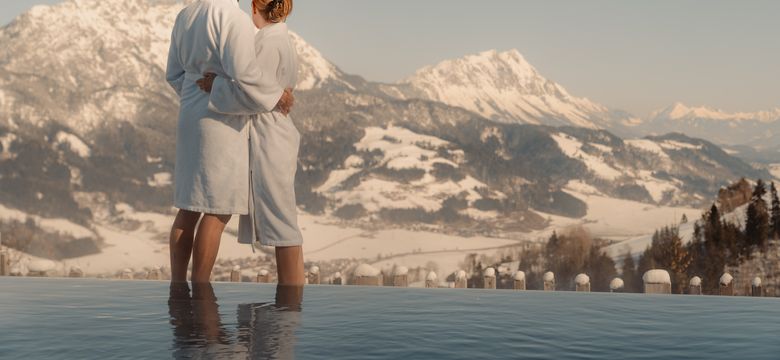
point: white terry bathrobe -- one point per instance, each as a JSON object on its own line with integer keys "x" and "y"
{"x": 273, "y": 145}
{"x": 212, "y": 152}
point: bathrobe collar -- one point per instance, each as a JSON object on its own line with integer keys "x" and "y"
{"x": 273, "y": 29}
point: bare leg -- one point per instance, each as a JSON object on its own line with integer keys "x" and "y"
{"x": 289, "y": 265}
{"x": 182, "y": 235}
{"x": 206, "y": 246}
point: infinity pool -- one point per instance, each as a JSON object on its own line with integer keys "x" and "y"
{"x": 84, "y": 319}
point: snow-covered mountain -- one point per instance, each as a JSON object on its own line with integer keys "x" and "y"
{"x": 505, "y": 87}
{"x": 87, "y": 134}
{"x": 85, "y": 63}
{"x": 758, "y": 130}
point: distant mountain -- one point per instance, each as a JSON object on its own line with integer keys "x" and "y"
{"x": 758, "y": 130}
{"x": 504, "y": 87}
{"x": 87, "y": 122}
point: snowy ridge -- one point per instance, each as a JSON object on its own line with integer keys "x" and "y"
{"x": 503, "y": 86}
{"x": 755, "y": 129}
{"x": 401, "y": 150}
{"x": 129, "y": 55}
{"x": 125, "y": 43}
{"x": 680, "y": 111}
{"x": 315, "y": 71}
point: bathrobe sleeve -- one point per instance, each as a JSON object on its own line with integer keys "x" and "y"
{"x": 174, "y": 74}
{"x": 231, "y": 102}
{"x": 246, "y": 89}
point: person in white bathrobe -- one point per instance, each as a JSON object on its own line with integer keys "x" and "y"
{"x": 212, "y": 160}
{"x": 273, "y": 143}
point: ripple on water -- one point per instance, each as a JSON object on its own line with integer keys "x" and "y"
{"x": 65, "y": 319}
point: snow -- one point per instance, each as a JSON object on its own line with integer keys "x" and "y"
{"x": 677, "y": 145}
{"x": 460, "y": 275}
{"x": 548, "y": 276}
{"x": 5, "y": 146}
{"x": 616, "y": 284}
{"x": 337, "y": 177}
{"x": 41, "y": 265}
{"x": 431, "y": 276}
{"x": 648, "y": 146}
{"x": 147, "y": 246}
{"x": 153, "y": 159}
{"x": 756, "y": 282}
{"x": 49, "y": 224}
{"x": 774, "y": 169}
{"x": 16, "y": 270}
{"x": 632, "y": 223}
{"x": 76, "y": 145}
{"x": 679, "y": 111}
{"x": 657, "y": 276}
{"x": 602, "y": 148}
{"x": 490, "y": 272}
{"x": 396, "y": 246}
{"x": 695, "y": 281}
{"x": 520, "y": 276}
{"x": 161, "y": 179}
{"x": 407, "y": 148}
{"x": 314, "y": 69}
{"x": 657, "y": 188}
{"x": 401, "y": 149}
{"x": 582, "y": 279}
{"x": 401, "y": 270}
{"x": 726, "y": 279}
{"x": 314, "y": 270}
{"x": 572, "y": 148}
{"x": 502, "y": 86}
{"x": 365, "y": 270}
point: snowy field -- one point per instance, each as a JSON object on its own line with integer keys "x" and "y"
{"x": 325, "y": 240}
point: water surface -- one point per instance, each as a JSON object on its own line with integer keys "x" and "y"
{"x": 81, "y": 319}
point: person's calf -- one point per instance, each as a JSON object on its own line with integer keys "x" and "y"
{"x": 180, "y": 243}
{"x": 206, "y": 246}
{"x": 289, "y": 265}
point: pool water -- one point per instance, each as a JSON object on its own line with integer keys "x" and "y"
{"x": 103, "y": 319}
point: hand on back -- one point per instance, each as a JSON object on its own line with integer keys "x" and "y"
{"x": 284, "y": 105}
{"x": 206, "y": 82}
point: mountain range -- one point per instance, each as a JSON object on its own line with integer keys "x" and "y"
{"x": 480, "y": 144}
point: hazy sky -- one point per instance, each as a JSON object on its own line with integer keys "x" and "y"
{"x": 638, "y": 56}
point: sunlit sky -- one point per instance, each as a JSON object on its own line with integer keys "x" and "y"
{"x": 632, "y": 55}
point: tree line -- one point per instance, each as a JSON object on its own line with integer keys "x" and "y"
{"x": 717, "y": 242}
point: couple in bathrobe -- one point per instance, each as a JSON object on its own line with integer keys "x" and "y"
{"x": 236, "y": 148}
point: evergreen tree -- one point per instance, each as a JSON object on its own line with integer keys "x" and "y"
{"x": 678, "y": 260}
{"x": 646, "y": 262}
{"x": 684, "y": 219}
{"x": 601, "y": 269}
{"x": 712, "y": 230}
{"x": 757, "y": 224}
{"x": 775, "y": 218}
{"x": 696, "y": 249}
{"x": 714, "y": 250}
{"x": 629, "y": 275}
{"x": 668, "y": 253}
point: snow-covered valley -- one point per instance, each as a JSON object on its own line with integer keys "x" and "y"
{"x": 470, "y": 156}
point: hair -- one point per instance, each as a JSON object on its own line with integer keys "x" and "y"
{"x": 274, "y": 10}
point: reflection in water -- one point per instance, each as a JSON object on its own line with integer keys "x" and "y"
{"x": 268, "y": 330}
{"x": 265, "y": 330}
